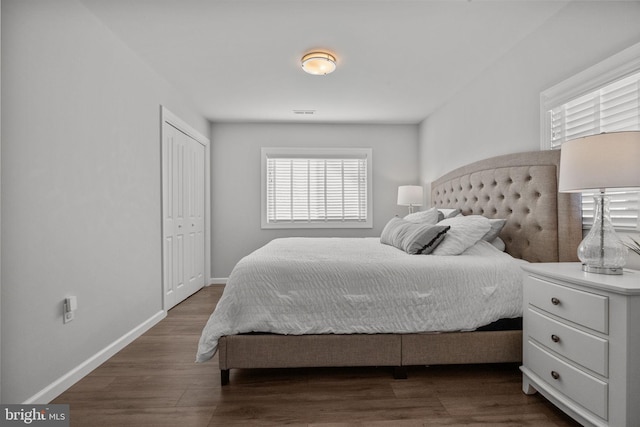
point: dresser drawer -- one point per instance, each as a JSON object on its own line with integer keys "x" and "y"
{"x": 588, "y": 391}
{"x": 585, "y": 349}
{"x": 583, "y": 308}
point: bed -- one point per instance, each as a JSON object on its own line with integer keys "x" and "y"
{"x": 541, "y": 225}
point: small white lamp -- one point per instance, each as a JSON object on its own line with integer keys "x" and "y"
{"x": 600, "y": 162}
{"x": 410, "y": 195}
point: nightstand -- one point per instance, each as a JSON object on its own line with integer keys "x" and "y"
{"x": 581, "y": 342}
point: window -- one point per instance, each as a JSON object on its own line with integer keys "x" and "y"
{"x": 316, "y": 188}
{"x": 604, "y": 98}
{"x": 611, "y": 108}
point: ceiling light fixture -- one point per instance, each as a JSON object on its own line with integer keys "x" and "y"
{"x": 319, "y": 63}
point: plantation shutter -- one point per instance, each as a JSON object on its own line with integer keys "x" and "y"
{"x": 317, "y": 188}
{"x": 614, "y": 107}
{"x": 623, "y": 207}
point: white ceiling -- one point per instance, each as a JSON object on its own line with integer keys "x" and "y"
{"x": 239, "y": 60}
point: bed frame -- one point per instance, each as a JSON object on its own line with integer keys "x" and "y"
{"x": 542, "y": 226}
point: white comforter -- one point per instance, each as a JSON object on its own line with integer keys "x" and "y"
{"x": 358, "y": 285}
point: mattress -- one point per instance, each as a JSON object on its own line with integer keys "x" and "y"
{"x": 297, "y": 286}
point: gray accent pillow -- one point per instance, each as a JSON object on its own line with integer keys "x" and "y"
{"x": 413, "y": 238}
{"x": 449, "y": 213}
{"x": 496, "y": 226}
{"x": 499, "y": 244}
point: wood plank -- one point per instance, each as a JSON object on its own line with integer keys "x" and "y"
{"x": 154, "y": 381}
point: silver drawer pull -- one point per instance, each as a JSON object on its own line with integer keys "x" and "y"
{"x": 555, "y": 375}
{"x": 555, "y": 338}
{"x": 555, "y": 301}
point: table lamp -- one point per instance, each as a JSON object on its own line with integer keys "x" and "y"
{"x": 599, "y": 163}
{"x": 410, "y": 195}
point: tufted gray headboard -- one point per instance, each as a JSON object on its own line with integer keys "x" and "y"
{"x": 542, "y": 224}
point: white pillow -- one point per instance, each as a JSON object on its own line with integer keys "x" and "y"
{"x": 465, "y": 232}
{"x": 430, "y": 216}
{"x": 499, "y": 243}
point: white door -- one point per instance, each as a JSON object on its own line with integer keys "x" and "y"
{"x": 194, "y": 219}
{"x": 183, "y": 215}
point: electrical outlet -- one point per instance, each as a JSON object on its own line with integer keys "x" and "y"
{"x": 68, "y": 316}
{"x": 70, "y": 306}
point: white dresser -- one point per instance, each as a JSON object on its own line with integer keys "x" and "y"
{"x": 581, "y": 342}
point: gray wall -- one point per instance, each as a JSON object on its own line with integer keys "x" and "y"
{"x": 80, "y": 189}
{"x": 0, "y": 223}
{"x": 235, "y": 172}
{"x": 499, "y": 112}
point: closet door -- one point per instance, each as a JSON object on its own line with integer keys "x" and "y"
{"x": 194, "y": 219}
{"x": 183, "y": 216}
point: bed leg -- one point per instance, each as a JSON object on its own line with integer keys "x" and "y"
{"x": 400, "y": 373}
{"x": 224, "y": 377}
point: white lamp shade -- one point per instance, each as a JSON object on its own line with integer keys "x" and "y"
{"x": 410, "y": 195}
{"x": 607, "y": 160}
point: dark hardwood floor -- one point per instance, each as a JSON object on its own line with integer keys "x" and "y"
{"x": 155, "y": 382}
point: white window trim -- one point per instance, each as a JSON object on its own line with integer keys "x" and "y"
{"x": 293, "y": 151}
{"x": 614, "y": 68}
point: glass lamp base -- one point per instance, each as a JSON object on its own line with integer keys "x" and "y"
{"x": 601, "y": 270}
{"x": 602, "y": 251}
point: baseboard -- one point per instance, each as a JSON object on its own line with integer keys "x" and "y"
{"x": 218, "y": 281}
{"x": 60, "y": 385}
